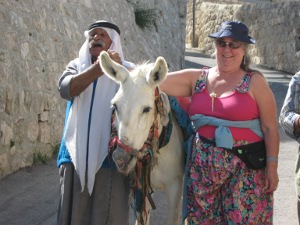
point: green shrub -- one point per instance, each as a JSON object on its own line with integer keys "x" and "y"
{"x": 145, "y": 17}
{"x": 42, "y": 158}
{"x": 39, "y": 158}
{"x": 55, "y": 150}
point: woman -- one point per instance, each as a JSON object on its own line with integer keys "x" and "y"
{"x": 221, "y": 188}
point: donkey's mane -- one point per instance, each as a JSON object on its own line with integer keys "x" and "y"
{"x": 142, "y": 68}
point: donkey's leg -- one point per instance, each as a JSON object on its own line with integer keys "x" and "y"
{"x": 174, "y": 201}
{"x": 146, "y": 215}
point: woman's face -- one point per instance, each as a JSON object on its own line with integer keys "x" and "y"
{"x": 230, "y": 53}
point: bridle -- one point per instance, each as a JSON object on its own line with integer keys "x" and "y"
{"x": 153, "y": 135}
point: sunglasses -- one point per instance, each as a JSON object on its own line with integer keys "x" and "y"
{"x": 232, "y": 44}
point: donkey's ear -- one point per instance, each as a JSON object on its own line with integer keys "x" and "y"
{"x": 115, "y": 71}
{"x": 158, "y": 72}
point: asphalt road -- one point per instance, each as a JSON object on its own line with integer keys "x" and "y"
{"x": 30, "y": 196}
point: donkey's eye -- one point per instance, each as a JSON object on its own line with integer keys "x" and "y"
{"x": 146, "y": 109}
{"x": 114, "y": 107}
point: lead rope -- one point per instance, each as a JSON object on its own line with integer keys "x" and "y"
{"x": 143, "y": 170}
{"x": 158, "y": 104}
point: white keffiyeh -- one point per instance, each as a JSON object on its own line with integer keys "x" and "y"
{"x": 92, "y": 148}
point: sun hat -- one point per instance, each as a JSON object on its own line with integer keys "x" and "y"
{"x": 234, "y": 29}
{"x": 103, "y": 23}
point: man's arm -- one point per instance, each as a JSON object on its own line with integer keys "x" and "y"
{"x": 289, "y": 118}
{"x": 71, "y": 83}
{"x": 82, "y": 80}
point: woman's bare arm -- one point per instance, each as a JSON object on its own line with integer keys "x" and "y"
{"x": 180, "y": 83}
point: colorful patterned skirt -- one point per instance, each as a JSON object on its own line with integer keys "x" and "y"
{"x": 222, "y": 190}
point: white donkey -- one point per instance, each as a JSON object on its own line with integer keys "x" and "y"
{"x": 139, "y": 124}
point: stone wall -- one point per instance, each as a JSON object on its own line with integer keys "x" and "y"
{"x": 275, "y": 26}
{"x": 39, "y": 38}
{"x": 285, "y": 1}
{"x": 244, "y": 1}
{"x": 238, "y": 1}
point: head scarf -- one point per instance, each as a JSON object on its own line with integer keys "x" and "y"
{"x": 87, "y": 130}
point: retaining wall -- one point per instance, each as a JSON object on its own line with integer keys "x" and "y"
{"x": 275, "y": 26}
{"x": 39, "y": 38}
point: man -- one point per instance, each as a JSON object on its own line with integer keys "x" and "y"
{"x": 289, "y": 120}
{"x": 92, "y": 190}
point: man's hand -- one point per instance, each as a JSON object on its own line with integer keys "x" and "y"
{"x": 297, "y": 125}
{"x": 114, "y": 56}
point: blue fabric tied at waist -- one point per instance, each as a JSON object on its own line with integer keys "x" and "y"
{"x": 223, "y": 138}
{"x": 223, "y": 135}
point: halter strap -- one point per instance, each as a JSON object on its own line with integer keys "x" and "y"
{"x": 153, "y": 134}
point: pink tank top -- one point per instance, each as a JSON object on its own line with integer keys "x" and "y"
{"x": 237, "y": 106}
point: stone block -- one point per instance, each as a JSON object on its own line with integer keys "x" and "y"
{"x": 6, "y": 133}
{"x": 4, "y": 166}
{"x": 33, "y": 131}
{"x": 44, "y": 132}
{"x": 43, "y": 117}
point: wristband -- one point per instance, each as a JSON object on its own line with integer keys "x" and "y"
{"x": 272, "y": 159}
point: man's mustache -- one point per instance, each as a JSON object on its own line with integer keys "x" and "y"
{"x": 98, "y": 43}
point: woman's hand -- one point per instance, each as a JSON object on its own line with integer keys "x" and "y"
{"x": 271, "y": 181}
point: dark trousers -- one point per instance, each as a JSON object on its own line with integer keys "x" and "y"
{"x": 108, "y": 204}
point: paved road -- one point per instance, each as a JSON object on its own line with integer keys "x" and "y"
{"x": 30, "y": 196}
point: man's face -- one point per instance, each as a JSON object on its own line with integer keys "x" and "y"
{"x": 98, "y": 41}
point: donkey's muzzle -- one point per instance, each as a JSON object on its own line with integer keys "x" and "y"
{"x": 121, "y": 158}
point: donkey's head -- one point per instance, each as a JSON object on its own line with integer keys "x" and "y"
{"x": 134, "y": 106}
